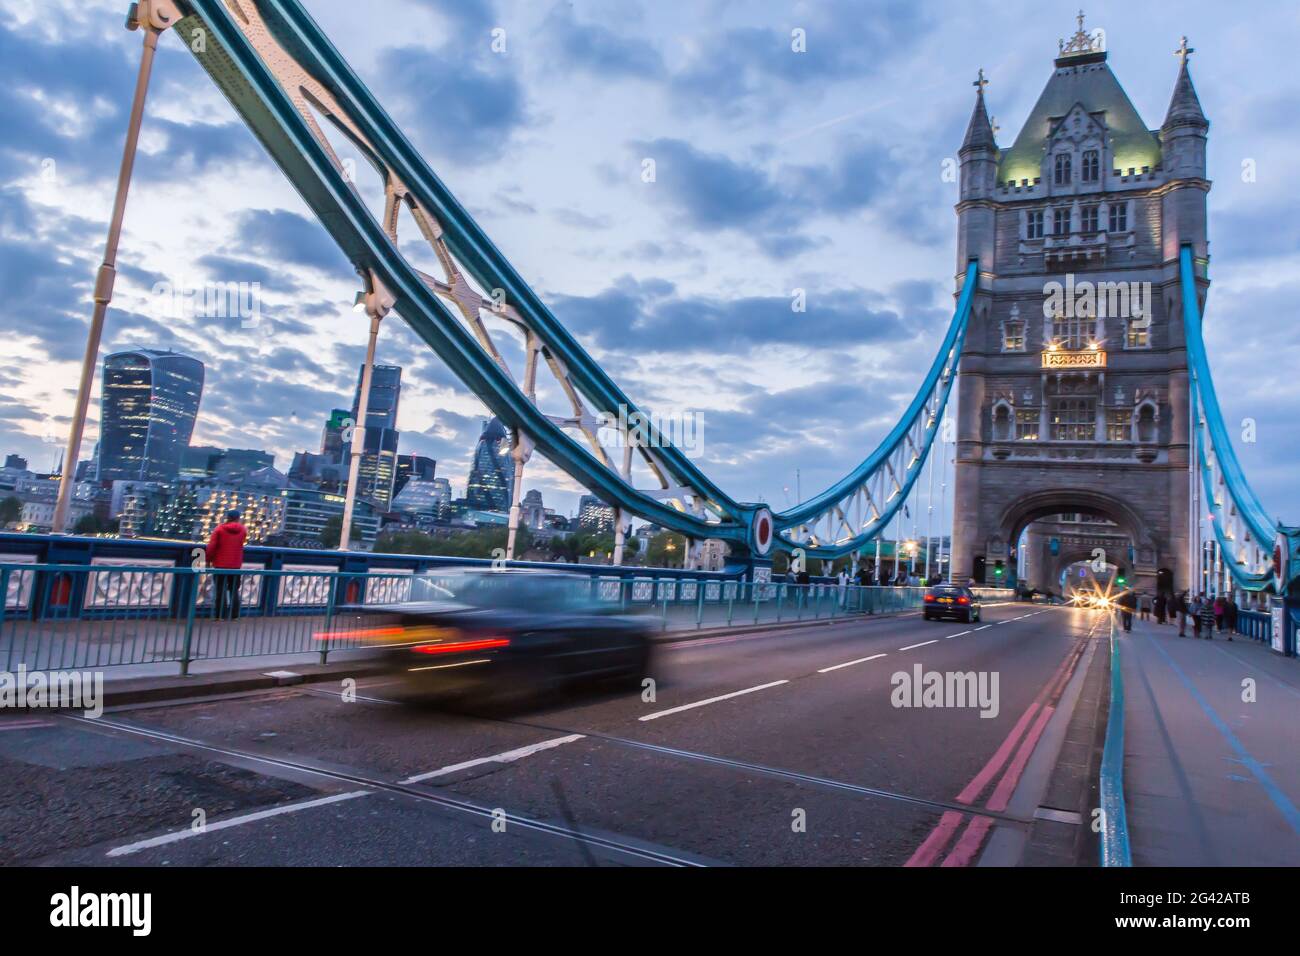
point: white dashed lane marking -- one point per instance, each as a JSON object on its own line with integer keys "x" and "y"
{"x": 910, "y": 647}
{"x": 185, "y": 834}
{"x": 860, "y": 660}
{"x": 509, "y": 756}
{"x": 712, "y": 700}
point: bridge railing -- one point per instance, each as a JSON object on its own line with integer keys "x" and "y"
{"x": 1257, "y": 625}
{"x": 63, "y": 616}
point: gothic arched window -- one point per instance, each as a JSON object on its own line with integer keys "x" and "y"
{"x": 1091, "y": 166}
{"x": 1062, "y": 171}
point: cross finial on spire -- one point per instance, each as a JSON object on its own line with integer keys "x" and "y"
{"x": 1184, "y": 51}
{"x": 980, "y": 82}
{"x": 1078, "y": 44}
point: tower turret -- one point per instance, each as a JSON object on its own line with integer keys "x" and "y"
{"x": 1182, "y": 143}
{"x": 979, "y": 157}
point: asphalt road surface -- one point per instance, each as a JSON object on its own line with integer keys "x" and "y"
{"x": 758, "y": 749}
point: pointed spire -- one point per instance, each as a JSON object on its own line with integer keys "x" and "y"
{"x": 979, "y": 132}
{"x": 1184, "y": 105}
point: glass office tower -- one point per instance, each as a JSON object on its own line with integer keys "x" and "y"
{"x": 147, "y": 410}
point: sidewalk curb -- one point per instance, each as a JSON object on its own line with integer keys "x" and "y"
{"x": 148, "y": 690}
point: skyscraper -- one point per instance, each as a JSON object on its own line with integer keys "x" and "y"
{"x": 595, "y": 515}
{"x": 378, "y": 465}
{"x": 385, "y": 393}
{"x": 147, "y": 412}
{"x": 416, "y": 467}
{"x": 491, "y": 477}
{"x": 332, "y": 444}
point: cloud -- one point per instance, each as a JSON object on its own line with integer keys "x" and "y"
{"x": 744, "y": 70}
{"x": 633, "y": 316}
{"x": 462, "y": 100}
{"x": 711, "y": 192}
{"x": 286, "y": 237}
{"x": 595, "y": 49}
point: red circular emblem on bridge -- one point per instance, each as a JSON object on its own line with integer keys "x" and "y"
{"x": 1281, "y": 562}
{"x": 761, "y": 531}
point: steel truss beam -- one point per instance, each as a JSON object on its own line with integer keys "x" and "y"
{"x": 280, "y": 72}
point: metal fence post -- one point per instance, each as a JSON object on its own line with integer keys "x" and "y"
{"x": 699, "y": 604}
{"x": 191, "y": 600}
{"x": 329, "y": 619}
{"x": 4, "y": 602}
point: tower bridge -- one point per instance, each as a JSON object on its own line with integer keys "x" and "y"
{"x": 1075, "y": 344}
{"x": 1072, "y": 387}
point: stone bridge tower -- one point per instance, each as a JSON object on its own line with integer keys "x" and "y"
{"x": 1073, "y": 393}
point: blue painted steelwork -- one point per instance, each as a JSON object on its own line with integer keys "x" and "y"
{"x": 1115, "y": 849}
{"x": 1245, "y": 533}
{"x": 893, "y": 468}
{"x": 307, "y": 76}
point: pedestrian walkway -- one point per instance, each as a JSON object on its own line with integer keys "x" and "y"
{"x": 1212, "y": 734}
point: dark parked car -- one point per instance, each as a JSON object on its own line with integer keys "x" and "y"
{"x": 505, "y": 636}
{"x": 951, "y": 600}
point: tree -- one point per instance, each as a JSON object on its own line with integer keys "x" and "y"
{"x": 406, "y": 542}
{"x": 666, "y": 550}
{"x": 487, "y": 542}
{"x": 11, "y": 511}
{"x": 91, "y": 524}
{"x": 333, "y": 531}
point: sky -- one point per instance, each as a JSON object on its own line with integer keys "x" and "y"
{"x": 776, "y": 171}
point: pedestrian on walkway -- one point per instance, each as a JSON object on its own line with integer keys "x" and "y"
{"x": 1144, "y": 606}
{"x": 1162, "y": 607}
{"x": 1231, "y": 615}
{"x": 1181, "y": 608}
{"x": 225, "y": 554}
{"x": 1220, "y": 613}
{"x": 1205, "y": 617}
{"x": 1127, "y": 604}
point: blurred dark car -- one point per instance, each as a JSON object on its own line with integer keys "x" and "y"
{"x": 951, "y": 600}
{"x": 506, "y": 636}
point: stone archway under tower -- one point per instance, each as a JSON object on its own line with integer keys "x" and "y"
{"x": 1126, "y": 542}
{"x": 1059, "y": 564}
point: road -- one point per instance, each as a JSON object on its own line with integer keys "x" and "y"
{"x": 771, "y": 748}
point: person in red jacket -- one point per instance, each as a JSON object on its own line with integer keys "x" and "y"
{"x": 226, "y": 552}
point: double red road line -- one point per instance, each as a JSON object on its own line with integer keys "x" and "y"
{"x": 1017, "y": 747}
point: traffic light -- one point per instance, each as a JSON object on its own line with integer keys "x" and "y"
{"x": 1121, "y": 578}
{"x": 978, "y": 570}
{"x": 999, "y": 569}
